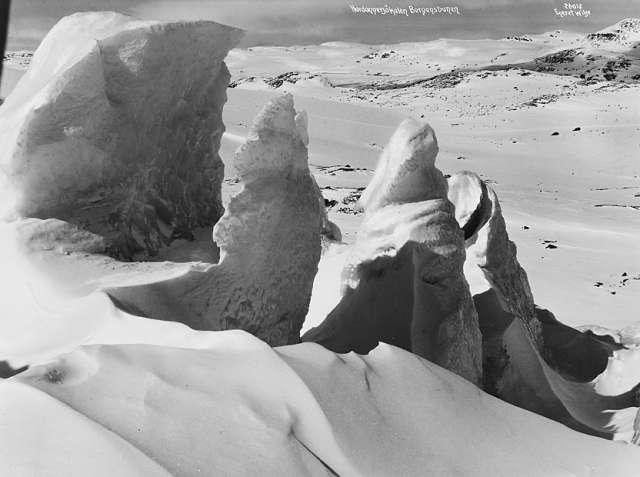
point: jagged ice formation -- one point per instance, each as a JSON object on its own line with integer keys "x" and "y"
{"x": 116, "y": 128}
{"x": 403, "y": 283}
{"x": 269, "y": 238}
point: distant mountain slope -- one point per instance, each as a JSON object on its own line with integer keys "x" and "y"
{"x": 612, "y": 54}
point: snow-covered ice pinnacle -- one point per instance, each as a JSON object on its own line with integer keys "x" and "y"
{"x": 406, "y": 170}
{"x": 530, "y": 359}
{"x": 489, "y": 249}
{"x": 270, "y": 233}
{"x": 269, "y": 238}
{"x": 116, "y": 128}
{"x": 499, "y": 285}
{"x": 404, "y": 283}
{"x": 466, "y": 193}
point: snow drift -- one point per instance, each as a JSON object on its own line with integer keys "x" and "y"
{"x": 232, "y": 405}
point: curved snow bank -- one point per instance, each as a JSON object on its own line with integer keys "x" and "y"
{"x": 116, "y": 128}
{"x": 580, "y": 355}
{"x": 403, "y": 283}
{"x": 234, "y": 406}
{"x": 269, "y": 239}
{"x": 43, "y": 436}
{"x": 605, "y": 406}
{"x": 213, "y": 411}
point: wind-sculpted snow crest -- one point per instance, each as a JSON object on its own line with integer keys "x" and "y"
{"x": 491, "y": 266}
{"x": 403, "y": 283}
{"x": 530, "y": 359}
{"x": 489, "y": 248}
{"x": 269, "y": 238}
{"x": 116, "y": 128}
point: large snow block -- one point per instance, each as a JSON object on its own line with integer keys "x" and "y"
{"x": 116, "y": 128}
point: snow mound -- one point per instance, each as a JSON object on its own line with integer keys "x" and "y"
{"x": 269, "y": 238}
{"x": 87, "y": 140}
{"x": 403, "y": 282}
{"x": 235, "y": 406}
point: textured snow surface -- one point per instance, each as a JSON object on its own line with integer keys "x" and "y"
{"x": 207, "y": 405}
{"x": 269, "y": 237}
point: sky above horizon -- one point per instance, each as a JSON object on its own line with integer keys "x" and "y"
{"x": 287, "y": 22}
